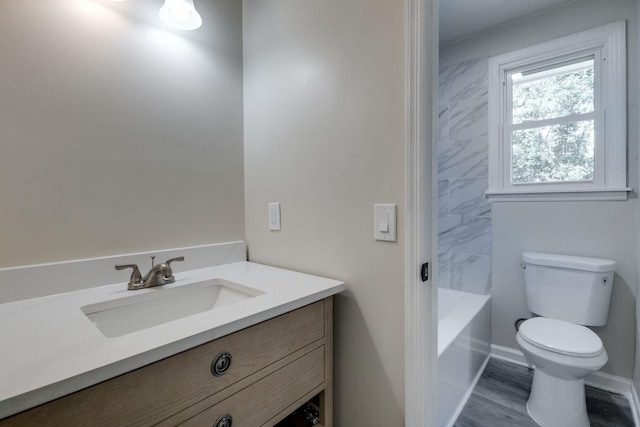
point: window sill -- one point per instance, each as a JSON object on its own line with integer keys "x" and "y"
{"x": 594, "y": 194}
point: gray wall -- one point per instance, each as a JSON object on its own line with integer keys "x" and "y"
{"x": 118, "y": 135}
{"x": 600, "y": 229}
{"x": 464, "y": 224}
{"x": 324, "y": 136}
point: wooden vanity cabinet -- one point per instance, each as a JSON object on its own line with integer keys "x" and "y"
{"x": 276, "y": 366}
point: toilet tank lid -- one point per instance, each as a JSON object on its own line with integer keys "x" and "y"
{"x": 569, "y": 261}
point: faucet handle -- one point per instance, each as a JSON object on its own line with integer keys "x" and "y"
{"x": 169, "y": 261}
{"x": 135, "y": 281}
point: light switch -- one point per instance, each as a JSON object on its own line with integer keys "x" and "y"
{"x": 384, "y": 220}
{"x": 274, "y": 216}
{"x": 383, "y": 225}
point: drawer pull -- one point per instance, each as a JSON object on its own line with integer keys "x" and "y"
{"x": 224, "y": 421}
{"x": 221, "y": 365}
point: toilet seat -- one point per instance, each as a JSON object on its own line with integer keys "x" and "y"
{"x": 561, "y": 337}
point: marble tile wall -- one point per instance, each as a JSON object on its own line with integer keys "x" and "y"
{"x": 464, "y": 232}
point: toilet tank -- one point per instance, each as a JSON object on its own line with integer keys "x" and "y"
{"x": 571, "y": 288}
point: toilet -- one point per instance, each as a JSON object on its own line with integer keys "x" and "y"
{"x": 568, "y": 293}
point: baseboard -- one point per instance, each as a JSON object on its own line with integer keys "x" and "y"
{"x": 600, "y": 380}
{"x": 509, "y": 354}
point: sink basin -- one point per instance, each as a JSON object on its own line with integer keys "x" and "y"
{"x": 161, "y": 305}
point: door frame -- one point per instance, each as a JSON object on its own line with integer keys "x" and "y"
{"x": 421, "y": 213}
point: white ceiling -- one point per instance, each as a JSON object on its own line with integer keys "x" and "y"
{"x": 461, "y": 18}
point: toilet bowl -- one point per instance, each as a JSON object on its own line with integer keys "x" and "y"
{"x": 562, "y": 354}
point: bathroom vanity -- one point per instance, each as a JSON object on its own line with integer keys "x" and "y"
{"x": 272, "y": 369}
{"x": 238, "y": 343}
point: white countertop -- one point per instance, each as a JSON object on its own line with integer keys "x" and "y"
{"x": 49, "y": 348}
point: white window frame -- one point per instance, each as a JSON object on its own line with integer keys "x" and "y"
{"x": 607, "y": 45}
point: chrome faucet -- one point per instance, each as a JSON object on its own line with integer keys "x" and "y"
{"x": 160, "y": 274}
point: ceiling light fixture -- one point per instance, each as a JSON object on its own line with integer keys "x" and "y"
{"x": 180, "y": 14}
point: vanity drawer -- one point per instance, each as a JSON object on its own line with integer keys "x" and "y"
{"x": 259, "y": 403}
{"x": 155, "y": 392}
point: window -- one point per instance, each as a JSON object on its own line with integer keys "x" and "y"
{"x": 557, "y": 115}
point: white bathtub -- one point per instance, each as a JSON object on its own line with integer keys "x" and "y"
{"x": 463, "y": 348}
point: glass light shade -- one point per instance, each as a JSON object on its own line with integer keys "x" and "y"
{"x": 180, "y": 14}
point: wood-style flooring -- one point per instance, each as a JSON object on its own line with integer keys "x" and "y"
{"x": 500, "y": 397}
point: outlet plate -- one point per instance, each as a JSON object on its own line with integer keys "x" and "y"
{"x": 274, "y": 216}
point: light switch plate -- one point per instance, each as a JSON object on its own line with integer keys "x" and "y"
{"x": 274, "y": 216}
{"x": 384, "y": 222}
